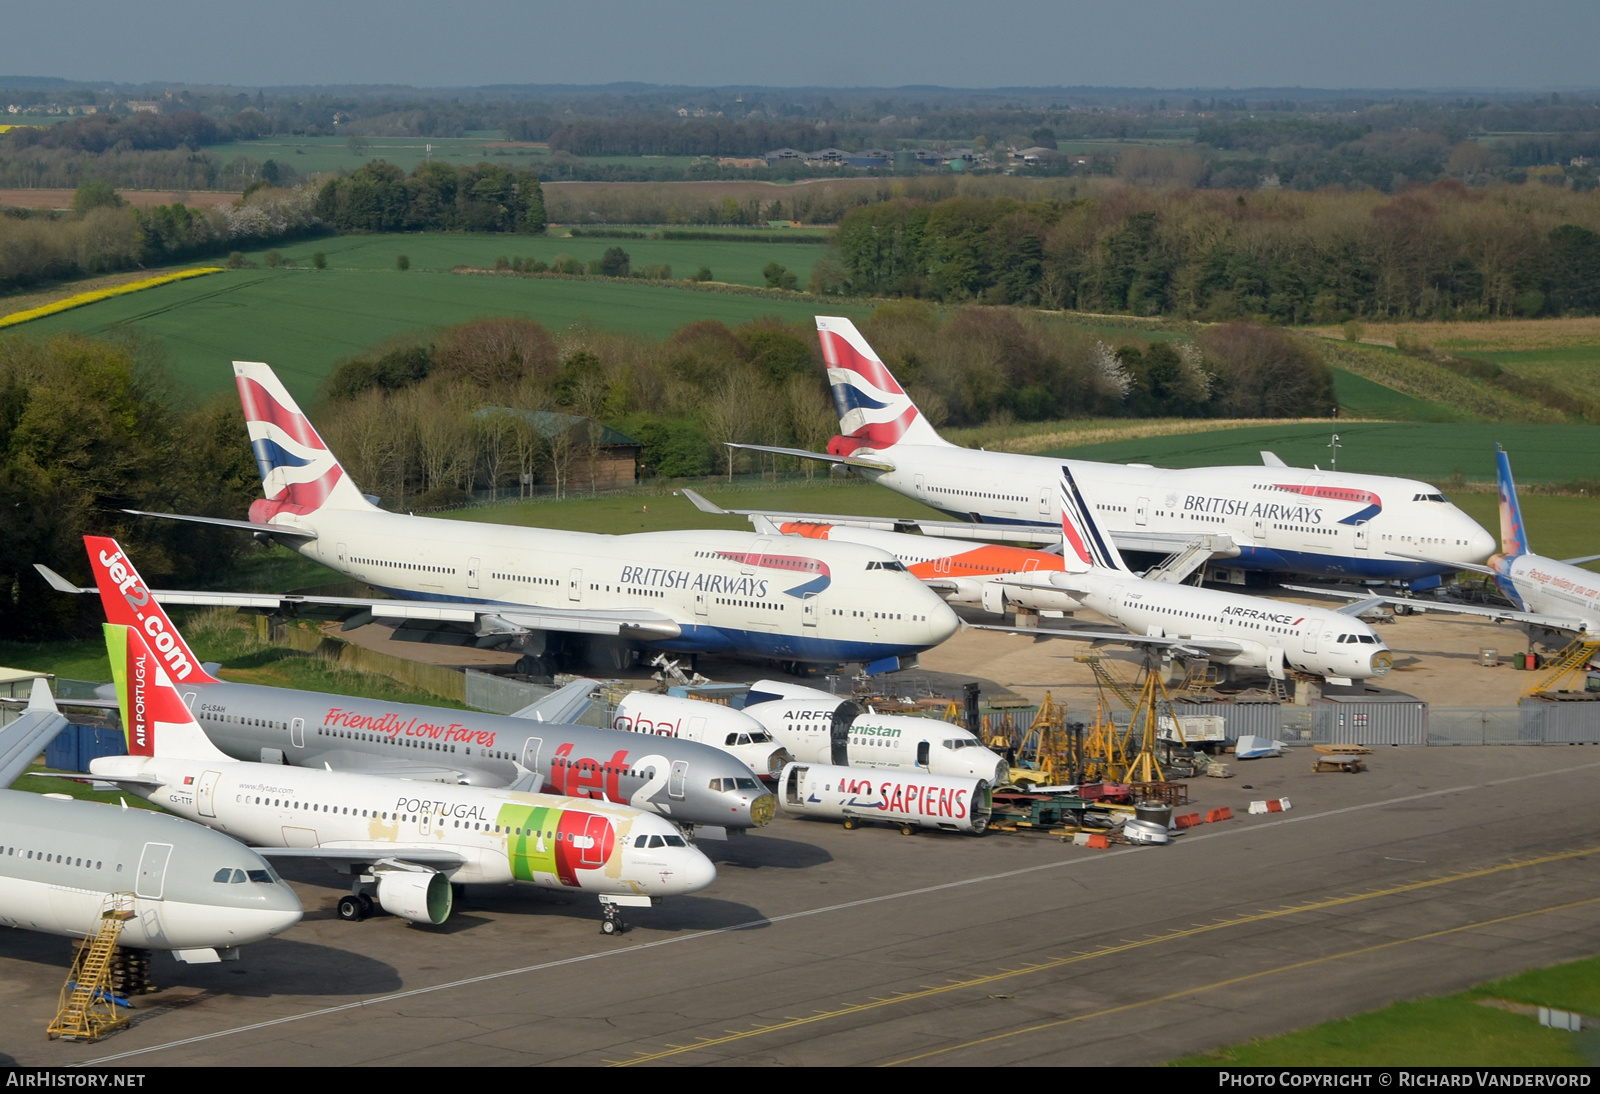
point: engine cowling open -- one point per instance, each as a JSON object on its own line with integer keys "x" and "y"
{"x": 422, "y": 896}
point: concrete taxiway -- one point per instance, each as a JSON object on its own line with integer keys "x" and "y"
{"x": 1436, "y": 869}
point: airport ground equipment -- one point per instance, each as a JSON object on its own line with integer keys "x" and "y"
{"x": 89, "y": 1008}
{"x": 909, "y": 800}
{"x": 1572, "y": 661}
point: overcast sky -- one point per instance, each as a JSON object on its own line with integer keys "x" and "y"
{"x": 1535, "y": 44}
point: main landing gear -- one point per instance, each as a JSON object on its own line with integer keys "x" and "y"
{"x": 355, "y": 907}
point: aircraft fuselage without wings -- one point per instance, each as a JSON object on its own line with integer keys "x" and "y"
{"x": 728, "y": 593}
{"x": 1270, "y": 518}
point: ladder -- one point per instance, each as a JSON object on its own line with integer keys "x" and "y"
{"x": 87, "y": 1010}
{"x": 1573, "y": 659}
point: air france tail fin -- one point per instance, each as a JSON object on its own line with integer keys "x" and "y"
{"x": 128, "y": 603}
{"x": 299, "y": 475}
{"x": 1513, "y": 534}
{"x": 154, "y": 718}
{"x": 874, "y": 411}
{"x": 1085, "y": 545}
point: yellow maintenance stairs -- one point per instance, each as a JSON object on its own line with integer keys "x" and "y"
{"x": 87, "y": 1010}
{"x": 1572, "y": 660}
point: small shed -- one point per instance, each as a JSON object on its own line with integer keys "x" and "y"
{"x": 17, "y": 684}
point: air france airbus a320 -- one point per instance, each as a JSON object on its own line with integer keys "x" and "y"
{"x": 728, "y": 593}
{"x": 1270, "y": 518}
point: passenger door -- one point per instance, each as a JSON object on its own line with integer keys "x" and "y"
{"x": 473, "y": 565}
{"x": 808, "y": 612}
{"x": 575, "y": 585}
{"x": 152, "y": 880}
{"x": 297, "y": 732}
{"x": 205, "y": 794}
{"x": 1141, "y": 512}
{"x": 677, "y": 786}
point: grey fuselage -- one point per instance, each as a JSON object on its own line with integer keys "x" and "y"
{"x": 61, "y": 860}
{"x": 311, "y": 729}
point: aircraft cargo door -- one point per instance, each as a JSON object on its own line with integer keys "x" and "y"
{"x": 152, "y": 880}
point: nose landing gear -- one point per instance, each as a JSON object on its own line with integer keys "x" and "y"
{"x": 611, "y": 921}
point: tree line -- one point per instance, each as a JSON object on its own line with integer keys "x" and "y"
{"x": 91, "y": 427}
{"x": 380, "y": 197}
{"x": 1442, "y": 251}
{"x": 426, "y": 422}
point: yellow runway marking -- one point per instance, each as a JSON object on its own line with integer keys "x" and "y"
{"x": 1123, "y": 947}
{"x": 1239, "y": 980}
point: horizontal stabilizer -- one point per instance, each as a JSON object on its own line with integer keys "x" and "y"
{"x": 565, "y": 705}
{"x": 242, "y": 525}
{"x": 879, "y": 464}
{"x": 26, "y": 737}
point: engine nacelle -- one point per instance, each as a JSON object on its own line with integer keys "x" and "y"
{"x": 422, "y": 896}
{"x": 855, "y": 793}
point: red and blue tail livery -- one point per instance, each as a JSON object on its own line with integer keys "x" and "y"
{"x": 298, "y": 473}
{"x": 874, "y": 411}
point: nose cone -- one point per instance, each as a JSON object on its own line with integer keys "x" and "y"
{"x": 695, "y": 872}
{"x": 942, "y": 622}
{"x": 762, "y": 809}
{"x": 1480, "y": 544}
{"x": 1381, "y": 662}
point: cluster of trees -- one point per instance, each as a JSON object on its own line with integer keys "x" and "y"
{"x": 380, "y": 197}
{"x": 423, "y": 423}
{"x": 1437, "y": 252}
{"x": 144, "y": 132}
{"x": 88, "y": 428}
{"x": 102, "y": 233}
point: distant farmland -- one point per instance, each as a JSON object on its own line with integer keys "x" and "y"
{"x": 302, "y": 321}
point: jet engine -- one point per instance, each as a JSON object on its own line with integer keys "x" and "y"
{"x": 422, "y": 896}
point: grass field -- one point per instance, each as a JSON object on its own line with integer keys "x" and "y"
{"x": 311, "y": 154}
{"x": 1449, "y": 1031}
{"x": 1434, "y": 451}
{"x": 302, "y": 321}
{"x": 1360, "y": 397}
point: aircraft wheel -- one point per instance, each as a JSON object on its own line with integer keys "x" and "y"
{"x": 908, "y": 829}
{"x": 611, "y": 920}
{"x": 608, "y": 926}
{"x": 350, "y": 909}
{"x": 366, "y": 904}
{"x": 851, "y": 824}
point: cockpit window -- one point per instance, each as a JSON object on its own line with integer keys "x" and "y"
{"x": 223, "y": 875}
{"x": 657, "y": 841}
{"x": 761, "y": 737}
{"x": 897, "y": 566}
{"x": 672, "y": 841}
{"x": 1430, "y": 497}
{"x": 962, "y": 742}
{"x": 263, "y": 877}
{"x": 239, "y": 878}
{"x": 747, "y": 784}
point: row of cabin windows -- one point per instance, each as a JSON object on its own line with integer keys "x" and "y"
{"x": 976, "y": 494}
{"x": 734, "y": 602}
{"x": 415, "y": 566}
{"x": 375, "y": 814}
{"x": 408, "y": 742}
{"x": 64, "y": 860}
{"x": 526, "y": 579}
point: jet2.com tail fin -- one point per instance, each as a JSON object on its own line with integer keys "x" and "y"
{"x": 155, "y": 720}
{"x": 1084, "y": 544}
{"x": 874, "y": 411}
{"x": 1513, "y": 533}
{"x": 128, "y": 602}
{"x": 299, "y": 475}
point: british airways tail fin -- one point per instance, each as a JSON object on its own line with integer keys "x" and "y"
{"x": 874, "y": 411}
{"x": 128, "y": 602}
{"x": 154, "y": 718}
{"x": 1513, "y": 534}
{"x": 1084, "y": 544}
{"x": 298, "y": 473}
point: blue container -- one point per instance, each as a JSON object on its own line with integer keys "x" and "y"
{"x": 76, "y": 745}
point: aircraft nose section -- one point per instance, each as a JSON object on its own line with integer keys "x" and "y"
{"x": 942, "y": 623}
{"x": 1480, "y": 544}
{"x": 697, "y": 873}
{"x": 1382, "y": 661}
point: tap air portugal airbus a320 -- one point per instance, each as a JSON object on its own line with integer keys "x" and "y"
{"x": 1270, "y": 518}
{"x": 728, "y": 593}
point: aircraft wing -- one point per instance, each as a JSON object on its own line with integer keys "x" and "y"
{"x": 1473, "y": 566}
{"x": 360, "y": 763}
{"x": 565, "y": 705}
{"x": 221, "y": 522}
{"x": 879, "y": 464}
{"x": 1199, "y": 644}
{"x": 1357, "y": 608}
{"x": 1499, "y": 615}
{"x": 950, "y": 529}
{"x": 436, "y": 858}
{"x": 484, "y": 617}
{"x": 24, "y": 738}
{"x": 1580, "y": 560}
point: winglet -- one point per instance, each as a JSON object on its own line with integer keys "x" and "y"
{"x": 59, "y": 583}
{"x": 704, "y": 504}
{"x": 40, "y": 698}
{"x": 1270, "y": 459}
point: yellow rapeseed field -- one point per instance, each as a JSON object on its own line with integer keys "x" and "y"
{"x": 103, "y": 294}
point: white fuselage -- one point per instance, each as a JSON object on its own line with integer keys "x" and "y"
{"x": 1544, "y": 585}
{"x": 732, "y": 593}
{"x": 1270, "y": 634}
{"x": 1284, "y": 519}
{"x": 721, "y": 727}
{"x": 919, "y": 799}
{"x": 501, "y": 836}
{"x": 60, "y": 862}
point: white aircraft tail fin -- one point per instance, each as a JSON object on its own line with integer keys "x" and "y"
{"x": 154, "y": 718}
{"x": 874, "y": 411}
{"x": 1085, "y": 545}
{"x": 299, "y": 475}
